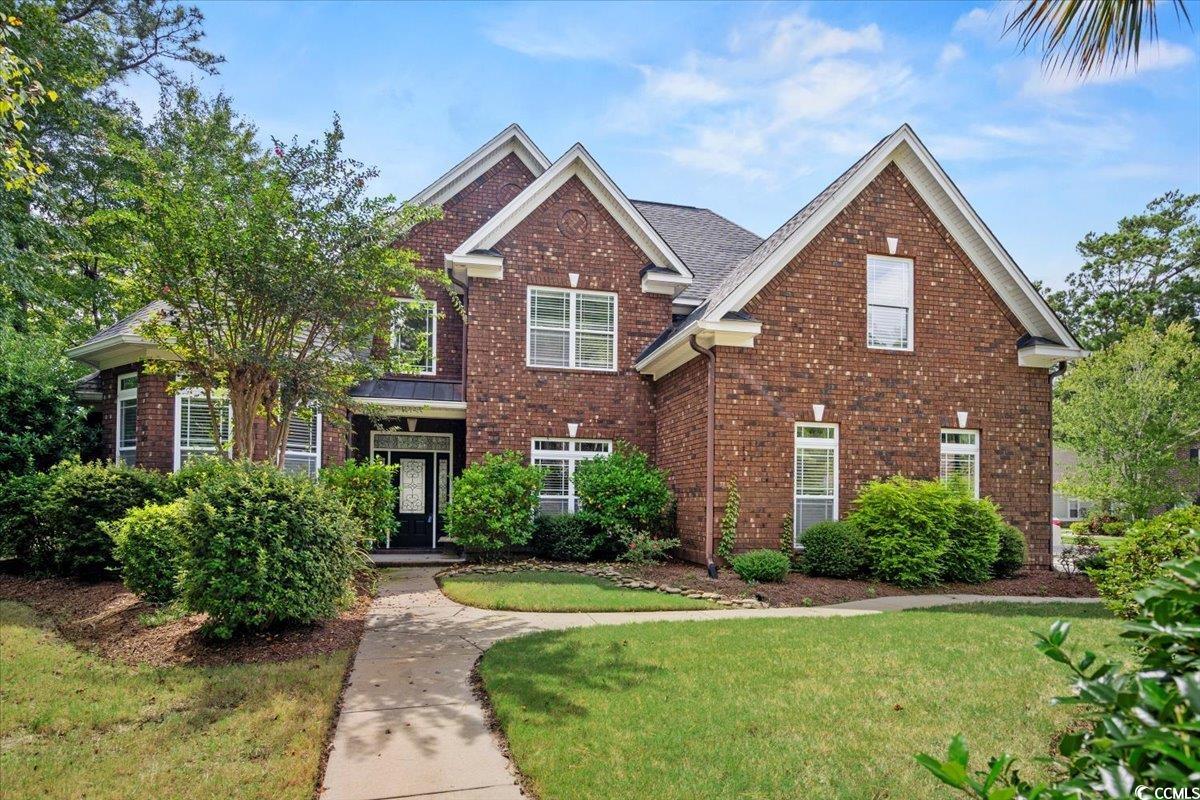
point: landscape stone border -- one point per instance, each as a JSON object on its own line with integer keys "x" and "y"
{"x": 600, "y": 570}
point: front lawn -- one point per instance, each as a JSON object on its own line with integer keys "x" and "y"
{"x": 772, "y": 708}
{"x": 77, "y": 725}
{"x": 558, "y": 591}
{"x": 1102, "y": 541}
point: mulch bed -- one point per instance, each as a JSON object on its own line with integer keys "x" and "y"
{"x": 803, "y": 590}
{"x": 103, "y": 617}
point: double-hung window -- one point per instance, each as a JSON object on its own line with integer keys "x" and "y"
{"x": 193, "y": 425}
{"x": 816, "y": 479}
{"x": 572, "y": 329}
{"x": 414, "y": 333}
{"x": 302, "y": 453}
{"x": 127, "y": 418}
{"x": 960, "y": 457}
{"x": 889, "y": 303}
{"x": 1077, "y": 508}
{"x": 559, "y": 458}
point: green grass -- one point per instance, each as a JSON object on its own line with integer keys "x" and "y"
{"x": 1104, "y": 542}
{"x": 558, "y": 591}
{"x": 773, "y": 708}
{"x": 75, "y": 725}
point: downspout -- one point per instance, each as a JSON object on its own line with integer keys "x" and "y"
{"x": 710, "y": 453}
{"x": 462, "y": 285}
{"x": 1057, "y": 372}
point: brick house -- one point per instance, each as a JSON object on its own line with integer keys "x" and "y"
{"x": 882, "y": 329}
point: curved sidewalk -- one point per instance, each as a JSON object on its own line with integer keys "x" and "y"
{"x": 410, "y": 726}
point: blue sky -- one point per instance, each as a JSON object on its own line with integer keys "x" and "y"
{"x": 748, "y": 109}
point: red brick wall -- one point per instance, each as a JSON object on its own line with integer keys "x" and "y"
{"x": 508, "y": 402}
{"x": 682, "y": 403}
{"x": 889, "y": 405}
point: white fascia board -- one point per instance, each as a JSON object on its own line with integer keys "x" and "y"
{"x": 117, "y": 350}
{"x": 911, "y": 156}
{"x": 677, "y": 350}
{"x": 510, "y": 140}
{"x": 664, "y": 283}
{"x": 424, "y": 409}
{"x": 475, "y": 265}
{"x": 1048, "y": 355}
{"x": 576, "y": 162}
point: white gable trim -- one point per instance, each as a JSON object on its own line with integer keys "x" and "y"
{"x": 510, "y": 140}
{"x": 576, "y": 162}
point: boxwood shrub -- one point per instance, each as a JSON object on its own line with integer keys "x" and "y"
{"x": 622, "y": 491}
{"x": 266, "y": 547}
{"x": 493, "y": 503}
{"x": 367, "y": 490}
{"x": 1011, "y": 554}
{"x": 833, "y": 550}
{"x": 24, "y": 535}
{"x": 906, "y": 524}
{"x": 974, "y": 539}
{"x": 565, "y": 537}
{"x": 761, "y": 566}
{"x": 1138, "y": 558}
{"x": 150, "y": 544}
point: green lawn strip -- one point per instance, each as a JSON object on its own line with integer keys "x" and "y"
{"x": 75, "y": 725}
{"x": 558, "y": 591}
{"x": 769, "y": 708}
{"x": 1103, "y": 542}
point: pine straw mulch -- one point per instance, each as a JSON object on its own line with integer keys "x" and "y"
{"x": 804, "y": 590}
{"x": 104, "y": 618}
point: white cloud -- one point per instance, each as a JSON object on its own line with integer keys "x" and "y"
{"x": 801, "y": 38}
{"x": 530, "y": 32}
{"x": 951, "y": 54}
{"x": 724, "y": 151}
{"x": 1162, "y": 55}
{"x": 977, "y": 20}
{"x": 683, "y": 86}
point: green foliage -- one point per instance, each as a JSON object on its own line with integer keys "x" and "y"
{"x": 1011, "y": 554}
{"x": 150, "y": 544}
{"x": 622, "y": 491}
{"x": 23, "y": 531}
{"x": 639, "y": 547}
{"x": 194, "y": 473}
{"x": 80, "y": 500}
{"x": 367, "y": 490}
{"x": 761, "y": 566}
{"x": 493, "y": 503}
{"x": 565, "y": 537}
{"x": 266, "y": 547}
{"x": 20, "y": 95}
{"x": 834, "y": 550}
{"x": 41, "y": 424}
{"x": 1138, "y": 722}
{"x": 906, "y": 525}
{"x": 1139, "y": 557}
{"x": 729, "y": 520}
{"x": 1127, "y": 412}
{"x": 974, "y": 539}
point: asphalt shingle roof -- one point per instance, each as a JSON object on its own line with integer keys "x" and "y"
{"x": 129, "y": 324}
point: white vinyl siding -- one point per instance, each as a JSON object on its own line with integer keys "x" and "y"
{"x": 960, "y": 456}
{"x": 816, "y": 476}
{"x": 302, "y": 453}
{"x": 889, "y": 303}
{"x": 127, "y": 418}
{"x": 1078, "y": 508}
{"x": 193, "y": 426}
{"x": 414, "y": 331}
{"x": 559, "y": 458}
{"x": 570, "y": 329}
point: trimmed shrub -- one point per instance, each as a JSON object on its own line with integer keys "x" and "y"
{"x": 1011, "y": 554}
{"x": 23, "y": 532}
{"x": 906, "y": 525}
{"x": 622, "y": 491}
{"x": 761, "y": 566}
{"x": 493, "y": 503}
{"x": 80, "y": 500}
{"x": 974, "y": 539}
{"x": 266, "y": 547}
{"x": 195, "y": 472}
{"x": 1138, "y": 558}
{"x": 833, "y": 550}
{"x": 42, "y": 423}
{"x": 565, "y": 537}
{"x": 367, "y": 490}
{"x": 150, "y": 544}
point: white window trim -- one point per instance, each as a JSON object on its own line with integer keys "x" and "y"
{"x": 572, "y": 456}
{"x": 956, "y": 448}
{"x": 572, "y": 331}
{"x": 191, "y": 393}
{"x": 433, "y": 360}
{"x": 124, "y": 395}
{"x": 836, "y": 445}
{"x": 912, "y": 279}
{"x": 304, "y": 454}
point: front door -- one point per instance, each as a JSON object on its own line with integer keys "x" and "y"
{"x": 415, "y": 509}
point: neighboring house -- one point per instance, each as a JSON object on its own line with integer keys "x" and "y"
{"x": 1067, "y": 509}
{"x": 880, "y": 330}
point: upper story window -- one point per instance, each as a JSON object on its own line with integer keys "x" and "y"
{"x": 414, "y": 332}
{"x": 193, "y": 425}
{"x": 302, "y": 453}
{"x": 960, "y": 457}
{"x": 127, "y": 418}
{"x": 889, "y": 303}
{"x": 816, "y": 476}
{"x": 572, "y": 329}
{"x": 559, "y": 457}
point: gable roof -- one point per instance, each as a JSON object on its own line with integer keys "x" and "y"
{"x": 576, "y": 162}
{"x": 510, "y": 140}
{"x": 708, "y": 243}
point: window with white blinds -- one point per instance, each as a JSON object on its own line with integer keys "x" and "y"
{"x": 193, "y": 426}
{"x": 559, "y": 457}
{"x": 127, "y": 418}
{"x": 572, "y": 329}
{"x": 302, "y": 453}
{"x": 816, "y": 478}
{"x": 960, "y": 457}
{"x": 889, "y": 303}
{"x": 414, "y": 333}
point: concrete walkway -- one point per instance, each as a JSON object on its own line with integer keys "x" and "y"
{"x": 410, "y": 726}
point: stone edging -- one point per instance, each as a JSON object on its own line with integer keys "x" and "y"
{"x": 601, "y": 570}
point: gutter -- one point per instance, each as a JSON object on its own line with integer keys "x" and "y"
{"x": 463, "y": 286}
{"x": 710, "y": 453}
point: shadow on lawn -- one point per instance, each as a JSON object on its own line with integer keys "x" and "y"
{"x": 1094, "y": 610}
